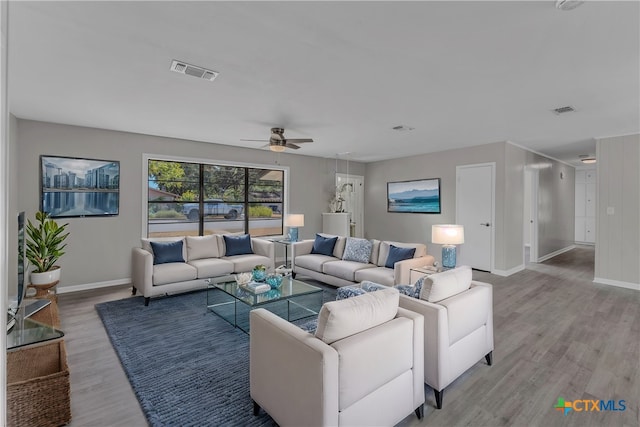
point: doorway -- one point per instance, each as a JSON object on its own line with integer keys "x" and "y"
{"x": 475, "y": 210}
{"x": 352, "y": 191}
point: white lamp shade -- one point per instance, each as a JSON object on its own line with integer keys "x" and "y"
{"x": 447, "y": 234}
{"x": 294, "y": 220}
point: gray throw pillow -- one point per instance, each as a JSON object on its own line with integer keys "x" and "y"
{"x": 358, "y": 250}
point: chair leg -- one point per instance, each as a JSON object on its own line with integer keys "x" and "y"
{"x": 134, "y": 290}
{"x": 438, "y": 395}
{"x": 489, "y": 358}
{"x": 420, "y": 411}
{"x": 256, "y": 408}
{"x": 146, "y": 301}
{"x": 293, "y": 275}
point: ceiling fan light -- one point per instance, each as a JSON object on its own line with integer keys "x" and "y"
{"x": 277, "y": 148}
{"x": 588, "y": 160}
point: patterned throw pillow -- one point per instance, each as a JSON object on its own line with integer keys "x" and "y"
{"x": 348, "y": 292}
{"x": 412, "y": 291}
{"x": 358, "y": 250}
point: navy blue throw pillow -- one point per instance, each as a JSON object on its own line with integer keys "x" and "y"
{"x": 165, "y": 252}
{"x": 238, "y": 245}
{"x": 398, "y": 254}
{"x": 324, "y": 245}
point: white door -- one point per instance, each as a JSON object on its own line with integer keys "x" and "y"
{"x": 353, "y": 201}
{"x": 474, "y": 210}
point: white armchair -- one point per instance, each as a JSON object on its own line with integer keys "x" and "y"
{"x": 364, "y": 366}
{"x": 458, "y": 326}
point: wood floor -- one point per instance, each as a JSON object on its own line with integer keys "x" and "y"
{"x": 557, "y": 334}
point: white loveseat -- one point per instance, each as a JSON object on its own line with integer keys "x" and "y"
{"x": 204, "y": 257}
{"x": 336, "y": 271}
{"x": 363, "y": 366}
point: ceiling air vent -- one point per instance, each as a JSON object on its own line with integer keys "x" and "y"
{"x": 563, "y": 110}
{"x": 192, "y": 70}
{"x": 402, "y": 128}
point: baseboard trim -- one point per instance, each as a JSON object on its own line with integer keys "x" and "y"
{"x": 507, "y": 273}
{"x": 618, "y": 283}
{"x": 556, "y": 253}
{"x": 95, "y": 285}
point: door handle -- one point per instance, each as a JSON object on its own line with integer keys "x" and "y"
{"x": 486, "y": 224}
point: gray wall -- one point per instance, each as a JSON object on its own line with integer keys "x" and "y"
{"x": 99, "y": 249}
{"x": 618, "y": 233}
{"x": 556, "y": 216}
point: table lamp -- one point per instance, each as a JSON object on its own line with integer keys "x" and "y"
{"x": 293, "y": 221}
{"x": 448, "y": 235}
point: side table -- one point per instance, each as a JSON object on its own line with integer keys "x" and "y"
{"x": 416, "y": 273}
{"x": 286, "y": 243}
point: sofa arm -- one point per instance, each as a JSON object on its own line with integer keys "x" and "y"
{"x": 293, "y": 376}
{"x": 418, "y": 354}
{"x": 263, "y": 247}
{"x": 436, "y": 339}
{"x": 402, "y": 269}
{"x": 302, "y": 247}
{"x": 142, "y": 270}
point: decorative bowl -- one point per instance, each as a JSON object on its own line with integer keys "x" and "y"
{"x": 259, "y": 275}
{"x": 274, "y": 280}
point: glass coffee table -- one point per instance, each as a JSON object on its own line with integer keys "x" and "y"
{"x": 294, "y": 300}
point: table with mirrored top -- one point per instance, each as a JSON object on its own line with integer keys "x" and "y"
{"x": 294, "y": 300}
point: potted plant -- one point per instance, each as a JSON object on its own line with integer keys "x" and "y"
{"x": 44, "y": 248}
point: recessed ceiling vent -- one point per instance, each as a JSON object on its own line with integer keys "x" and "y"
{"x": 402, "y": 128}
{"x": 568, "y": 4}
{"x": 192, "y": 70}
{"x": 563, "y": 110}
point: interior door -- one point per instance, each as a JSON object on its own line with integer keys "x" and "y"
{"x": 353, "y": 201}
{"x": 475, "y": 211}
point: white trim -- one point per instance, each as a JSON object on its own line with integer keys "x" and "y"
{"x": 145, "y": 178}
{"x": 506, "y": 273}
{"x": 539, "y": 153}
{"x": 556, "y": 253}
{"x": 618, "y": 283}
{"x": 585, "y": 243}
{"x": 493, "y": 205}
{"x": 95, "y": 285}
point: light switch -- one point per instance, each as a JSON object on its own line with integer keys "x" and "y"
{"x": 610, "y": 210}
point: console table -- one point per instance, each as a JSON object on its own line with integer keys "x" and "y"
{"x": 38, "y": 390}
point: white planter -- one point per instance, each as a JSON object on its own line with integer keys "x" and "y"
{"x": 46, "y": 277}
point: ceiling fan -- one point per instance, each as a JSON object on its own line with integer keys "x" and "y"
{"x": 278, "y": 143}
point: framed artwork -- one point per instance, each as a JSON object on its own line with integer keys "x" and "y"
{"x": 79, "y": 187}
{"x": 419, "y": 196}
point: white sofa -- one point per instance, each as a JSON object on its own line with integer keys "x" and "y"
{"x": 458, "y": 332}
{"x": 204, "y": 257}
{"x": 363, "y": 366}
{"x": 338, "y": 272}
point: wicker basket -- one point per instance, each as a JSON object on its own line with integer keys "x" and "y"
{"x": 38, "y": 391}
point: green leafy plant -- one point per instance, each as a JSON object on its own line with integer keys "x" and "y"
{"x": 260, "y": 267}
{"x": 260, "y": 212}
{"x": 45, "y": 242}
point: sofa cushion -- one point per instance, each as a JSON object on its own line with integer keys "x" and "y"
{"x": 324, "y": 245}
{"x": 358, "y": 250}
{"x": 398, "y": 254}
{"x": 313, "y": 262}
{"x": 375, "y": 251}
{"x": 338, "y": 249}
{"x": 145, "y": 243}
{"x": 383, "y": 253}
{"x": 344, "y": 269}
{"x": 340, "y": 319}
{"x": 173, "y": 272}
{"x": 166, "y": 252}
{"x": 212, "y": 267}
{"x": 382, "y": 275}
{"x": 244, "y": 263}
{"x": 200, "y": 247}
{"x": 446, "y": 284}
{"x": 237, "y": 245}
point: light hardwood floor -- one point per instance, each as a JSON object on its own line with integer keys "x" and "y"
{"x": 557, "y": 334}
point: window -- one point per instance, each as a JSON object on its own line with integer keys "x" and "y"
{"x": 198, "y": 199}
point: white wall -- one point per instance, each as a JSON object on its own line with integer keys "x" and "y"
{"x": 99, "y": 249}
{"x": 618, "y": 211}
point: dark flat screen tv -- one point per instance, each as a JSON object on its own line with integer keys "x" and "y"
{"x": 79, "y": 187}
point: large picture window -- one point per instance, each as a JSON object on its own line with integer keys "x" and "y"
{"x": 199, "y": 199}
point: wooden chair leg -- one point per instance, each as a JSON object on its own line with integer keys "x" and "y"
{"x": 438, "y": 395}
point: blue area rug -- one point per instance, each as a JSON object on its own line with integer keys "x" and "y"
{"x": 187, "y": 366}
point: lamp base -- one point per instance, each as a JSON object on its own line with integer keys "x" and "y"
{"x": 293, "y": 234}
{"x": 448, "y": 256}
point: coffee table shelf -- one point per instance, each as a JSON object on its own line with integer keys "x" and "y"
{"x": 294, "y": 300}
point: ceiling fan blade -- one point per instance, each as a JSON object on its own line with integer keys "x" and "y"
{"x": 290, "y": 145}
{"x": 255, "y": 140}
{"x": 299, "y": 140}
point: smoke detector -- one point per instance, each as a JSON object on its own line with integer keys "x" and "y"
{"x": 587, "y": 159}
{"x": 563, "y": 110}
{"x": 193, "y": 70}
{"x": 568, "y": 4}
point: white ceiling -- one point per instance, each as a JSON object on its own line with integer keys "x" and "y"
{"x": 460, "y": 73}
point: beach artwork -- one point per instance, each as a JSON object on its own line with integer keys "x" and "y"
{"x": 420, "y": 196}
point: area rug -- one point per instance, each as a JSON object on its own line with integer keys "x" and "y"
{"x": 187, "y": 366}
